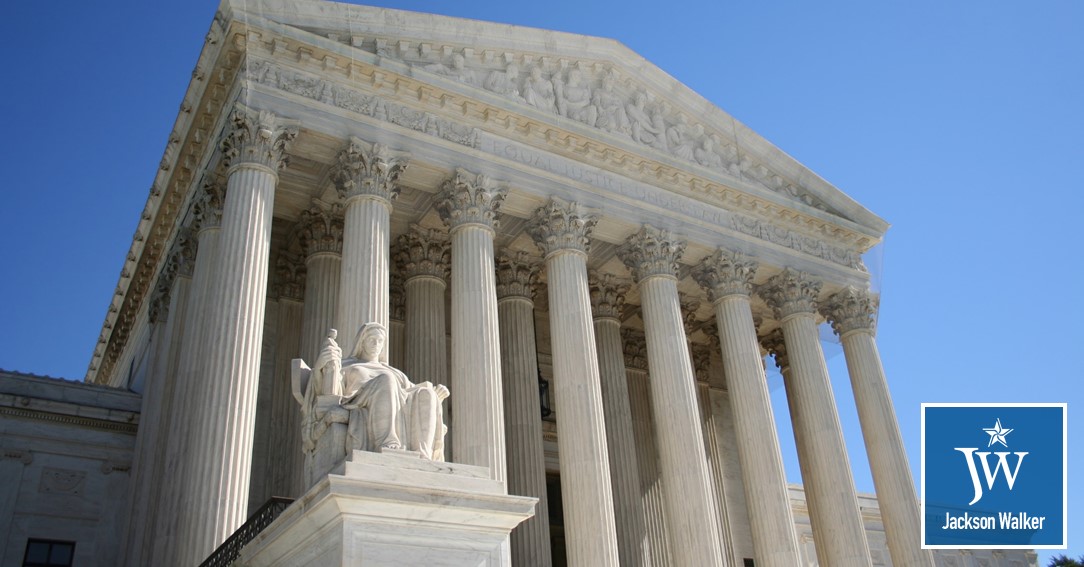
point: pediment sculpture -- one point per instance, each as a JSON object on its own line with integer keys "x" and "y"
{"x": 358, "y": 402}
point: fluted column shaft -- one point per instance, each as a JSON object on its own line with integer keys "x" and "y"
{"x": 363, "y": 291}
{"x": 585, "y": 473}
{"x": 476, "y": 362}
{"x": 647, "y": 458}
{"x": 690, "y": 504}
{"x": 366, "y": 177}
{"x": 322, "y": 279}
{"x": 188, "y": 411}
{"x": 286, "y": 463}
{"x": 469, "y": 204}
{"x": 223, "y": 456}
{"x": 158, "y": 410}
{"x": 523, "y": 424}
{"x": 426, "y": 343}
{"x": 233, "y": 327}
{"x": 562, "y": 231}
{"x": 770, "y": 516}
{"x": 838, "y": 530}
{"x": 632, "y": 538}
{"x": 852, "y": 314}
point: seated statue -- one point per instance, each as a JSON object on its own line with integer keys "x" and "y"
{"x": 386, "y": 410}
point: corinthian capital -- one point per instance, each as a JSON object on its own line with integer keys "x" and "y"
{"x": 775, "y": 345}
{"x": 207, "y": 209}
{"x": 651, "y": 252}
{"x": 469, "y": 198}
{"x": 851, "y": 309}
{"x": 689, "y": 305}
{"x": 791, "y": 292}
{"x": 396, "y": 298}
{"x": 369, "y": 170}
{"x": 422, "y": 252}
{"x": 517, "y": 274}
{"x": 289, "y": 277}
{"x": 607, "y": 295}
{"x": 257, "y": 137}
{"x": 562, "y": 226}
{"x": 725, "y": 273}
{"x": 320, "y": 229}
{"x": 635, "y": 347}
{"x": 179, "y": 262}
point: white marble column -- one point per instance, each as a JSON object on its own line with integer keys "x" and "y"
{"x": 652, "y": 256}
{"x": 397, "y": 340}
{"x": 285, "y": 464}
{"x": 607, "y": 302}
{"x": 167, "y": 315}
{"x": 516, "y": 275}
{"x": 221, "y": 456}
{"x": 647, "y": 454}
{"x": 187, "y": 411}
{"x": 423, "y": 257}
{"x": 838, "y": 530}
{"x": 562, "y": 231}
{"x": 469, "y": 204}
{"x": 320, "y": 233}
{"x": 366, "y": 177}
{"x": 852, "y": 313}
{"x": 728, "y": 279}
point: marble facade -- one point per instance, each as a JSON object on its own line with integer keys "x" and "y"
{"x": 512, "y": 205}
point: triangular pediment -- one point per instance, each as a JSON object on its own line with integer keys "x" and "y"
{"x": 590, "y": 84}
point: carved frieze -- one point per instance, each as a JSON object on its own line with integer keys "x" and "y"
{"x": 797, "y": 241}
{"x": 591, "y": 93}
{"x": 651, "y": 252}
{"x": 328, "y": 92}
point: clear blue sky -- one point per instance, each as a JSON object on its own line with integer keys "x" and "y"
{"x": 958, "y": 122}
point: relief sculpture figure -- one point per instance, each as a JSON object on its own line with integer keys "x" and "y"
{"x": 574, "y": 98}
{"x": 611, "y": 107}
{"x": 538, "y": 91}
{"x": 504, "y": 82}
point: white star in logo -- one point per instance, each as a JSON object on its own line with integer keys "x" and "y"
{"x": 997, "y": 433}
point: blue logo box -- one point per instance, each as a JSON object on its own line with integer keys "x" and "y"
{"x": 994, "y": 476}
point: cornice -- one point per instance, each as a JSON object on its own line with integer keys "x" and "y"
{"x": 189, "y": 140}
{"x": 316, "y": 68}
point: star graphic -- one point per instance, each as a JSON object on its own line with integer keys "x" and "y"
{"x": 997, "y": 433}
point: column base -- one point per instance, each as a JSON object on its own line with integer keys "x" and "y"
{"x": 394, "y": 508}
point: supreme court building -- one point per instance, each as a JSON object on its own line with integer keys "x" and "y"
{"x": 595, "y": 261}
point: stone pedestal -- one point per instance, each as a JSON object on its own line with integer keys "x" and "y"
{"x": 394, "y": 508}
